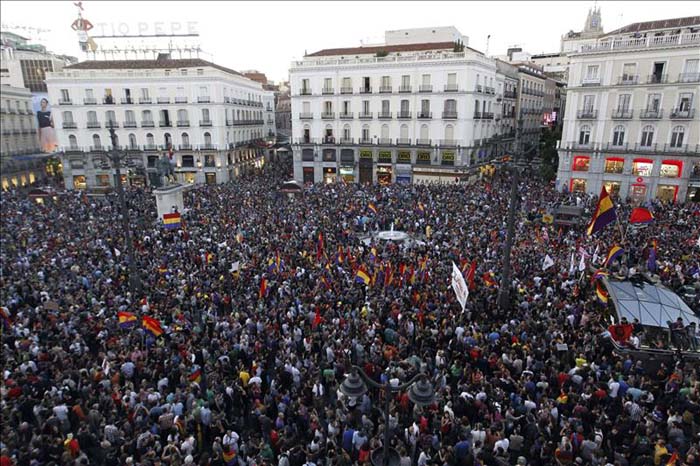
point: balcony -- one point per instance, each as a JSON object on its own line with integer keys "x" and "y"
{"x": 165, "y": 124}
{"x": 93, "y": 125}
{"x": 127, "y": 101}
{"x": 344, "y": 90}
{"x": 346, "y": 140}
{"x": 163, "y": 100}
{"x": 203, "y": 99}
{"x": 145, "y": 100}
{"x": 306, "y": 141}
{"x": 657, "y": 79}
{"x": 487, "y": 116}
{"x": 622, "y": 114}
{"x": 588, "y": 82}
{"x": 328, "y": 140}
{"x": 489, "y": 90}
{"x": 205, "y": 123}
{"x": 229, "y": 122}
{"x": 270, "y": 121}
{"x": 327, "y": 91}
{"x": 449, "y": 115}
{"x": 425, "y": 88}
{"x": 365, "y": 141}
{"x": 70, "y": 125}
{"x": 477, "y": 115}
{"x": 147, "y": 124}
{"x": 683, "y": 114}
{"x": 346, "y": 116}
{"x": 98, "y": 148}
{"x": 384, "y": 115}
{"x": 404, "y": 89}
{"x": 111, "y": 124}
{"x": 627, "y": 80}
{"x": 385, "y": 90}
{"x": 207, "y": 147}
{"x": 509, "y": 94}
{"x": 89, "y": 101}
{"x": 304, "y": 91}
{"x": 384, "y": 141}
{"x": 448, "y": 143}
{"x": 306, "y": 116}
{"x": 180, "y": 100}
{"x": 587, "y": 114}
{"x": 130, "y": 124}
{"x": 478, "y": 88}
{"x": 403, "y": 115}
{"x": 403, "y": 142}
{"x": 328, "y": 115}
{"x": 365, "y": 90}
{"x": 425, "y": 115}
{"x": 689, "y": 78}
{"x": 423, "y": 142}
{"x": 651, "y": 114}
{"x": 366, "y": 116}
{"x": 150, "y": 147}
{"x": 185, "y": 146}
{"x": 65, "y": 102}
{"x": 183, "y": 123}
{"x": 451, "y": 88}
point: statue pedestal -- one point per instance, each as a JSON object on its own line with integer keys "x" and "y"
{"x": 169, "y": 197}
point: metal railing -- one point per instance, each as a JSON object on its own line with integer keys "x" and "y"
{"x": 346, "y": 140}
{"x": 165, "y": 124}
{"x": 148, "y": 124}
{"x": 145, "y": 100}
{"x": 448, "y": 143}
{"x": 626, "y": 80}
{"x": 657, "y": 79}
{"x": 62, "y": 102}
{"x": 384, "y": 115}
{"x": 365, "y": 141}
{"x": 622, "y": 114}
{"x": 403, "y": 142}
{"x": 651, "y": 114}
{"x": 93, "y": 124}
{"x": 89, "y": 101}
{"x": 304, "y": 91}
{"x": 385, "y": 89}
{"x": 203, "y": 99}
{"x": 185, "y": 146}
{"x": 487, "y": 116}
{"x": 451, "y": 88}
{"x": 205, "y": 123}
{"x": 306, "y": 116}
{"x": 384, "y": 141}
{"x": 70, "y": 125}
{"x": 130, "y": 124}
{"x": 403, "y": 89}
{"x": 346, "y": 116}
{"x": 345, "y": 90}
{"x": 423, "y": 142}
{"x": 449, "y": 115}
{"x": 682, "y": 114}
{"x": 327, "y": 91}
{"x": 328, "y": 115}
{"x": 366, "y": 116}
{"x": 425, "y": 115}
{"x": 403, "y": 115}
{"x": 127, "y": 100}
{"x": 365, "y": 90}
{"x": 183, "y": 123}
{"x": 425, "y": 88}
{"x": 163, "y": 100}
{"x": 689, "y": 78}
{"x": 180, "y": 100}
{"x": 587, "y": 114}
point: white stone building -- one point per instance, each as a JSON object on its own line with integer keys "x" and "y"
{"x": 216, "y": 122}
{"x": 402, "y": 111}
{"x": 631, "y": 119}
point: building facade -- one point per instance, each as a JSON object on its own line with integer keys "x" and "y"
{"x": 211, "y": 121}
{"x": 21, "y": 161}
{"x": 530, "y": 103}
{"x": 509, "y": 101}
{"x": 631, "y": 123}
{"x": 397, "y": 112}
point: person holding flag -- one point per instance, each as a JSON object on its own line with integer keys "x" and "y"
{"x": 603, "y": 215}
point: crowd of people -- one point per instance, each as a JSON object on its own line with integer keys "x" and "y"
{"x": 263, "y": 315}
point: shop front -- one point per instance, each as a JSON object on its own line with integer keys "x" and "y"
{"x": 403, "y": 173}
{"x": 347, "y": 165}
{"x": 210, "y": 178}
{"x": 448, "y": 158}
{"x": 308, "y": 173}
{"x": 366, "y": 166}
{"x": 436, "y": 176}
{"x": 613, "y": 188}
{"x": 329, "y": 175}
{"x": 693, "y": 192}
{"x": 423, "y": 157}
{"x": 347, "y": 173}
{"x": 638, "y": 192}
{"x": 384, "y": 174}
{"x": 667, "y": 192}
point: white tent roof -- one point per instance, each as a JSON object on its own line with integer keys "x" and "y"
{"x": 653, "y": 305}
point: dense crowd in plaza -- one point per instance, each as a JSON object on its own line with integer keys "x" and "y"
{"x": 263, "y": 314}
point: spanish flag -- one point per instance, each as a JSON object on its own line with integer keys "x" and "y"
{"x": 263, "y": 288}
{"x": 615, "y": 252}
{"x": 362, "y": 276}
{"x": 641, "y": 215}
{"x": 372, "y": 207}
{"x": 601, "y": 293}
{"x": 604, "y": 213}
{"x": 152, "y": 325}
{"x": 172, "y": 221}
{"x": 126, "y": 319}
{"x": 489, "y": 279}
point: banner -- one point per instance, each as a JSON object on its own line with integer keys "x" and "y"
{"x": 548, "y": 262}
{"x": 459, "y": 285}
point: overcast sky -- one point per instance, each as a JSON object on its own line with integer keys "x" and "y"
{"x": 267, "y": 36}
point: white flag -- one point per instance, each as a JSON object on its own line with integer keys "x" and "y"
{"x": 117, "y": 252}
{"x": 235, "y": 267}
{"x": 595, "y": 256}
{"x": 548, "y": 262}
{"x": 572, "y": 265}
{"x": 459, "y": 285}
{"x": 582, "y": 264}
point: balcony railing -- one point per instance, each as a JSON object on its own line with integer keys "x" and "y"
{"x": 304, "y": 91}
{"x": 145, "y": 100}
{"x": 150, "y": 147}
{"x": 229, "y": 122}
{"x": 425, "y": 88}
{"x": 327, "y": 91}
{"x": 489, "y": 90}
{"x": 587, "y": 114}
{"x": 683, "y": 114}
{"x": 98, "y": 148}
{"x": 365, "y": 141}
{"x": 69, "y": 125}
{"x": 89, "y": 101}
{"x": 403, "y": 115}
{"x": 657, "y": 79}
{"x": 111, "y": 124}
{"x": 203, "y": 99}
{"x": 65, "y": 102}
{"x": 366, "y": 116}
{"x": 621, "y": 114}
{"x": 328, "y": 140}
{"x": 130, "y": 124}
{"x": 208, "y": 146}
{"x": 328, "y": 115}
{"x": 165, "y": 124}
{"x": 404, "y": 89}
{"x": 306, "y": 141}
{"x": 385, "y": 90}
{"x": 185, "y": 146}
{"x": 448, "y": 115}
{"x": 384, "y": 141}
{"x": 487, "y": 116}
{"x": 180, "y": 100}
{"x": 365, "y": 90}
{"x": 205, "y": 123}
{"x": 147, "y": 124}
{"x": 651, "y": 114}
{"x": 403, "y": 142}
{"x": 586, "y": 82}
{"x": 451, "y": 87}
{"x": 425, "y": 115}
{"x": 93, "y": 124}
{"x": 423, "y": 142}
{"x": 346, "y": 140}
{"x": 183, "y": 123}
{"x": 448, "y": 143}
{"x": 477, "y": 115}
{"x": 127, "y": 101}
{"x": 163, "y": 100}
{"x": 306, "y": 116}
{"x": 384, "y": 115}
{"x": 346, "y": 116}
{"x": 627, "y": 80}
{"x": 345, "y": 90}
{"x": 509, "y": 94}
{"x": 478, "y": 88}
{"x": 689, "y": 78}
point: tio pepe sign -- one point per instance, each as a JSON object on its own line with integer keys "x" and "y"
{"x": 144, "y": 29}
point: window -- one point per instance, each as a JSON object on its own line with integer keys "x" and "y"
{"x": 181, "y": 92}
{"x": 67, "y": 117}
{"x": 592, "y": 72}
{"x": 65, "y": 96}
{"x": 205, "y": 114}
{"x": 72, "y": 141}
{"x": 623, "y": 102}
{"x": 476, "y": 107}
{"x": 647, "y": 136}
{"x": 692, "y": 66}
{"x": 584, "y": 135}
{"x": 110, "y": 117}
{"x": 132, "y": 141}
{"x": 449, "y": 133}
{"x": 204, "y": 91}
{"x": 365, "y": 107}
{"x": 612, "y": 187}
{"x": 385, "y": 107}
{"x": 327, "y": 106}
{"x": 653, "y": 102}
{"x": 346, "y": 132}
{"x": 677, "y": 136}
{"x": 305, "y": 87}
{"x": 671, "y": 168}
{"x": 642, "y": 167}
{"x": 581, "y": 163}
{"x": 588, "y": 103}
{"x": 425, "y": 107}
{"x": 386, "y": 81}
{"x": 618, "y": 136}
{"x": 406, "y": 81}
{"x": 629, "y": 72}
{"x": 188, "y": 161}
{"x": 424, "y": 132}
{"x": 149, "y": 140}
{"x": 96, "y": 141}
{"x": 450, "y": 106}
{"x": 451, "y": 78}
{"x": 405, "y": 107}
{"x": 146, "y": 116}
{"x": 347, "y": 83}
{"x": 425, "y": 80}
{"x": 346, "y": 107}
{"x": 578, "y": 185}
{"x": 129, "y": 116}
{"x": 366, "y": 84}
{"x": 92, "y": 116}
{"x": 306, "y": 106}
{"x": 185, "y": 138}
{"x": 685, "y": 101}
{"x": 207, "y": 139}
{"x": 328, "y": 84}
{"x": 385, "y": 132}
{"x": 365, "y": 133}
{"x": 89, "y": 94}
{"x": 403, "y": 132}
{"x": 614, "y": 165}
{"x": 183, "y": 72}
{"x": 144, "y": 93}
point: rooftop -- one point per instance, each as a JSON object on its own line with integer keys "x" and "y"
{"x": 160, "y": 63}
{"x": 420, "y": 47}
{"x": 688, "y": 21}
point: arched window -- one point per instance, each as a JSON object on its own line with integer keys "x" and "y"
{"x": 73, "y": 141}
{"x": 403, "y": 132}
{"x": 182, "y": 117}
{"x": 647, "y": 136}
{"x": 584, "y": 135}
{"x": 67, "y": 117}
{"x": 449, "y": 133}
{"x": 677, "y": 136}
{"x": 385, "y": 132}
{"x": 450, "y": 106}
{"x": 147, "y": 116}
{"x": 96, "y": 141}
{"x": 185, "y": 140}
{"x": 167, "y": 140}
{"x": 207, "y": 138}
{"x": 347, "y": 135}
{"x": 424, "y": 132}
{"x": 618, "y": 136}
{"x": 132, "y": 141}
{"x": 149, "y": 140}
{"x": 365, "y": 133}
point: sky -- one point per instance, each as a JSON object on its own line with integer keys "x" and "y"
{"x": 268, "y": 36}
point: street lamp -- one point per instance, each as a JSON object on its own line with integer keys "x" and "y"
{"x": 115, "y": 157}
{"x": 420, "y": 392}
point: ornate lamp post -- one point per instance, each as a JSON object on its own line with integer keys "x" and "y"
{"x": 420, "y": 392}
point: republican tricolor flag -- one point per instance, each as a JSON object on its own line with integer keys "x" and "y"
{"x": 172, "y": 221}
{"x": 641, "y": 215}
{"x": 126, "y": 319}
{"x": 604, "y": 213}
{"x": 152, "y": 326}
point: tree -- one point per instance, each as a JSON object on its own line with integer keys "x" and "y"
{"x": 548, "y": 152}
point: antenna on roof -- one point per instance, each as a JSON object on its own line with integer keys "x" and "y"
{"x": 488, "y": 38}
